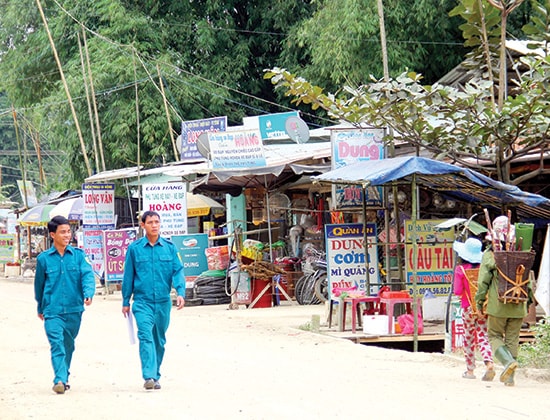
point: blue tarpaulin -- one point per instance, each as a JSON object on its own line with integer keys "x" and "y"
{"x": 453, "y": 181}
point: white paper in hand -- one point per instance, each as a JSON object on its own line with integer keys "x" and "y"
{"x": 131, "y": 329}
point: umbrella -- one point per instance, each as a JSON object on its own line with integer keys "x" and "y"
{"x": 71, "y": 209}
{"x": 201, "y": 205}
{"x": 37, "y": 216}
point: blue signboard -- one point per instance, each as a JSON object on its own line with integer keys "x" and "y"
{"x": 192, "y": 252}
{"x": 190, "y": 132}
{"x": 272, "y": 126}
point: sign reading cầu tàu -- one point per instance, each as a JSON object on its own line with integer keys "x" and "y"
{"x": 434, "y": 259}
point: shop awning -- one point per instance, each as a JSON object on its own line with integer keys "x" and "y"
{"x": 38, "y": 215}
{"x": 284, "y": 164}
{"x": 201, "y": 205}
{"x": 453, "y": 181}
{"x": 268, "y": 177}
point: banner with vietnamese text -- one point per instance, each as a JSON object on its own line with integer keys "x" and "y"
{"x": 115, "y": 245}
{"x": 346, "y": 265}
{"x": 349, "y": 147}
{"x": 169, "y": 200}
{"x": 434, "y": 256}
{"x": 190, "y": 132}
{"x": 236, "y": 149}
{"x": 99, "y": 206}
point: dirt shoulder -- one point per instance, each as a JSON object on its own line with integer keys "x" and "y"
{"x": 238, "y": 364}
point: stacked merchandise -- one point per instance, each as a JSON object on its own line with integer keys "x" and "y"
{"x": 210, "y": 288}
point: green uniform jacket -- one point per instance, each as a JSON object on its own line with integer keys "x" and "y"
{"x": 487, "y": 283}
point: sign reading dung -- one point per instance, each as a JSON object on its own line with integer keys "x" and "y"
{"x": 434, "y": 256}
{"x": 99, "y": 206}
{"x": 347, "y": 267}
{"x": 349, "y": 147}
{"x": 190, "y": 132}
{"x": 170, "y": 202}
{"x": 236, "y": 149}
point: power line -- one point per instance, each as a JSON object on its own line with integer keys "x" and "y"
{"x": 32, "y": 153}
{"x": 286, "y": 35}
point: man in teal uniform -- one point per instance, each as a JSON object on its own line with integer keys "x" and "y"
{"x": 64, "y": 282}
{"x": 152, "y": 267}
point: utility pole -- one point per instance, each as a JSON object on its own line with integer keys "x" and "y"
{"x": 41, "y": 172}
{"x": 383, "y": 40}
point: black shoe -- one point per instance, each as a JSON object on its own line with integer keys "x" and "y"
{"x": 149, "y": 384}
{"x": 157, "y": 385}
{"x": 59, "y": 388}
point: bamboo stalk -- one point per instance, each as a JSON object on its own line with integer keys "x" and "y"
{"x": 88, "y": 102}
{"x": 94, "y": 102}
{"x": 66, "y": 86}
{"x": 496, "y": 244}
{"x": 508, "y": 239}
{"x": 170, "y": 132}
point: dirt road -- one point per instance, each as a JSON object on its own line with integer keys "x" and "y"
{"x": 238, "y": 364}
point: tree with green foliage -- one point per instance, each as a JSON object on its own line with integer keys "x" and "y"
{"x": 18, "y": 155}
{"x": 210, "y": 54}
{"x": 460, "y": 125}
{"x": 340, "y": 43}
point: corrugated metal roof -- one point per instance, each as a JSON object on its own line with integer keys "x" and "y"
{"x": 455, "y": 182}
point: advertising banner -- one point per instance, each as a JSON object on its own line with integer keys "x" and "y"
{"x": 116, "y": 244}
{"x": 457, "y": 325}
{"x": 28, "y": 193}
{"x": 349, "y": 147}
{"x": 434, "y": 257}
{"x": 191, "y": 249}
{"x": 346, "y": 257}
{"x": 236, "y": 149}
{"x": 93, "y": 248}
{"x": 272, "y": 126}
{"x": 170, "y": 202}
{"x": 99, "y": 206}
{"x": 7, "y": 248}
{"x": 190, "y": 132}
